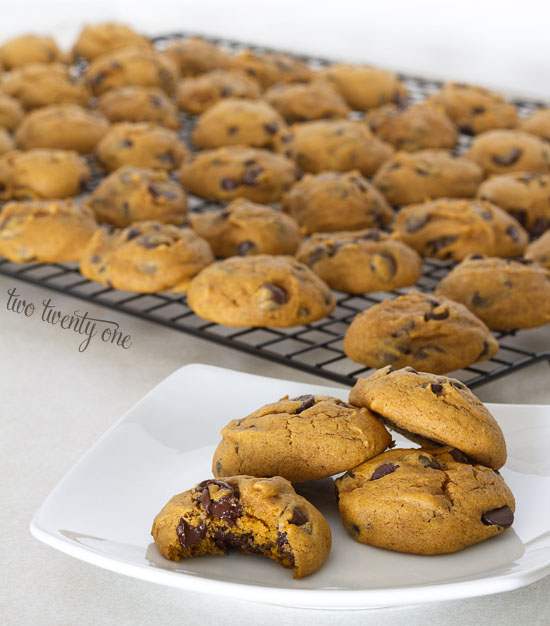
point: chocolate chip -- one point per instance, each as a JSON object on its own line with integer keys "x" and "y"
{"x": 189, "y": 535}
{"x": 356, "y": 530}
{"x": 245, "y": 247}
{"x": 430, "y": 315}
{"x": 359, "y": 184}
{"x": 484, "y": 351}
{"x": 307, "y": 401}
{"x": 459, "y": 456}
{"x": 157, "y": 192}
{"x": 271, "y": 128}
{"x": 249, "y": 177}
{"x": 476, "y": 256}
{"x": 436, "y": 245}
{"x": 278, "y": 294}
{"x": 226, "y": 508}
{"x": 126, "y": 143}
{"x": 155, "y": 100}
{"x": 95, "y": 259}
{"x": 503, "y": 517}
{"x": 424, "y": 352}
{"x": 513, "y": 233}
{"x": 167, "y": 158}
{"x": 228, "y": 184}
{"x": 287, "y": 138}
{"x": 132, "y": 233}
{"x": 436, "y": 388}
{"x": 316, "y": 255}
{"x": 226, "y": 91}
{"x": 507, "y": 159}
{"x": 303, "y": 311}
{"x": 478, "y": 110}
{"x": 415, "y": 223}
{"x": 427, "y": 462}
{"x": 528, "y": 177}
{"x": 421, "y": 172}
{"x": 298, "y": 518}
{"x": 231, "y": 130}
{"x": 480, "y": 301}
{"x": 383, "y": 470}
{"x": 371, "y": 235}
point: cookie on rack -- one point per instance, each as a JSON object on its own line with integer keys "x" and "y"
{"x": 301, "y": 102}
{"x": 300, "y": 439}
{"x": 260, "y": 290}
{"x": 538, "y": 123}
{"x": 409, "y": 177}
{"x": 505, "y": 293}
{"x": 269, "y": 68}
{"x": 244, "y": 228}
{"x": 194, "y": 56}
{"x": 262, "y": 516}
{"x": 26, "y": 49}
{"x": 95, "y": 40}
{"x": 11, "y": 112}
{"x": 539, "y": 250}
{"x": 430, "y": 332}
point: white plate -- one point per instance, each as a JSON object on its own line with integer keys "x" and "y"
{"x": 102, "y": 511}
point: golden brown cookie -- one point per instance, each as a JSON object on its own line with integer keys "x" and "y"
{"x": 454, "y": 228}
{"x": 11, "y": 112}
{"x": 303, "y": 438}
{"x": 140, "y": 144}
{"x": 37, "y": 174}
{"x": 334, "y": 145}
{"x": 260, "y": 290}
{"x": 98, "y": 39}
{"x": 505, "y": 294}
{"x": 361, "y": 261}
{"x": 238, "y": 172}
{"x": 262, "y": 516}
{"x": 6, "y": 141}
{"x": 418, "y": 176}
{"x": 195, "y": 95}
{"x": 300, "y": 102}
{"x": 235, "y": 121}
{"x": 194, "y": 56}
{"x": 423, "y": 501}
{"x": 502, "y": 151}
{"x": 419, "y": 330}
{"x": 539, "y": 250}
{"x": 244, "y": 228}
{"x": 336, "y": 201}
{"x": 146, "y": 258}
{"x": 132, "y": 194}
{"x": 27, "y": 49}
{"x": 474, "y": 109}
{"x": 61, "y": 127}
{"x": 269, "y": 68}
{"x": 45, "y": 231}
{"x": 538, "y": 123}
{"x": 432, "y": 410}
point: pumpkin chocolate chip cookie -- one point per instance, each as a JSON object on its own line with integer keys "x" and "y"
{"x": 269, "y": 68}
{"x": 97, "y": 39}
{"x": 538, "y": 123}
{"x": 26, "y": 49}
{"x": 300, "y": 102}
{"x": 194, "y": 56}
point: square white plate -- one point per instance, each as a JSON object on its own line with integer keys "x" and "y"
{"x": 102, "y": 511}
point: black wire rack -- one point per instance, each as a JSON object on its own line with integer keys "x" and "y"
{"x": 315, "y": 348}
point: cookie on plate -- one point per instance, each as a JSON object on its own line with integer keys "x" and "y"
{"x": 538, "y": 123}
{"x": 419, "y": 330}
{"x": 361, "y": 261}
{"x": 26, "y": 49}
{"x": 539, "y": 250}
{"x": 505, "y": 293}
{"x": 423, "y": 501}
{"x": 262, "y": 516}
{"x": 11, "y": 112}
{"x": 194, "y": 56}
{"x": 334, "y": 201}
{"x": 95, "y": 40}
{"x": 260, "y": 290}
{"x": 244, "y": 228}
{"x": 300, "y": 102}
{"x": 269, "y": 68}
{"x": 409, "y": 177}
{"x": 303, "y": 438}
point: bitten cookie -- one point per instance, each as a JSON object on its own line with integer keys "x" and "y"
{"x": 524, "y": 195}
{"x": 269, "y": 68}
{"x": 98, "y": 39}
{"x": 418, "y": 176}
{"x": 145, "y": 258}
{"x": 423, "y": 502}
{"x": 334, "y": 145}
{"x": 132, "y": 194}
{"x": 303, "y": 438}
{"x": 140, "y": 144}
{"x": 238, "y": 172}
{"x": 361, "y": 261}
{"x": 27, "y": 49}
{"x": 262, "y": 516}
{"x": 194, "y": 56}
{"x": 11, "y": 112}
{"x": 420, "y": 330}
{"x": 245, "y": 228}
{"x": 475, "y": 109}
{"x": 449, "y": 228}
{"x": 333, "y": 201}
{"x": 36, "y": 174}
{"x": 539, "y": 250}
{"x": 505, "y": 294}
{"x": 538, "y": 123}
{"x": 432, "y": 410}
{"x": 45, "y": 231}
{"x": 300, "y": 102}
{"x": 259, "y": 290}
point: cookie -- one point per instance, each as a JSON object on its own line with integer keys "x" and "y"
{"x": 505, "y": 294}
{"x": 146, "y": 258}
{"x": 432, "y": 410}
{"x": 11, "y": 112}
{"x": 408, "y": 177}
{"x": 538, "y": 123}
{"x": 474, "y": 109}
{"x": 361, "y": 261}
{"x": 26, "y": 49}
{"x": 269, "y": 68}
{"x": 140, "y": 144}
{"x": 423, "y": 501}
{"x": 524, "y": 195}
{"x": 502, "y": 151}
{"x": 235, "y": 121}
{"x": 98, "y": 39}
{"x": 139, "y": 104}
{"x": 37, "y": 174}
{"x": 132, "y": 194}
{"x": 303, "y": 438}
{"x": 301, "y": 102}
{"x": 244, "y": 228}
{"x": 41, "y": 84}
{"x": 194, "y": 56}
{"x": 45, "y": 231}
{"x": 61, "y": 127}
{"x": 454, "y": 228}
{"x": 131, "y": 66}
{"x": 419, "y": 330}
{"x": 263, "y": 516}
{"x": 260, "y": 290}
{"x": 336, "y": 201}
{"x": 364, "y": 87}
{"x": 418, "y": 127}
{"x": 334, "y": 145}
{"x": 238, "y": 172}
{"x": 196, "y": 95}
{"x": 539, "y": 250}
{"x": 6, "y": 141}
